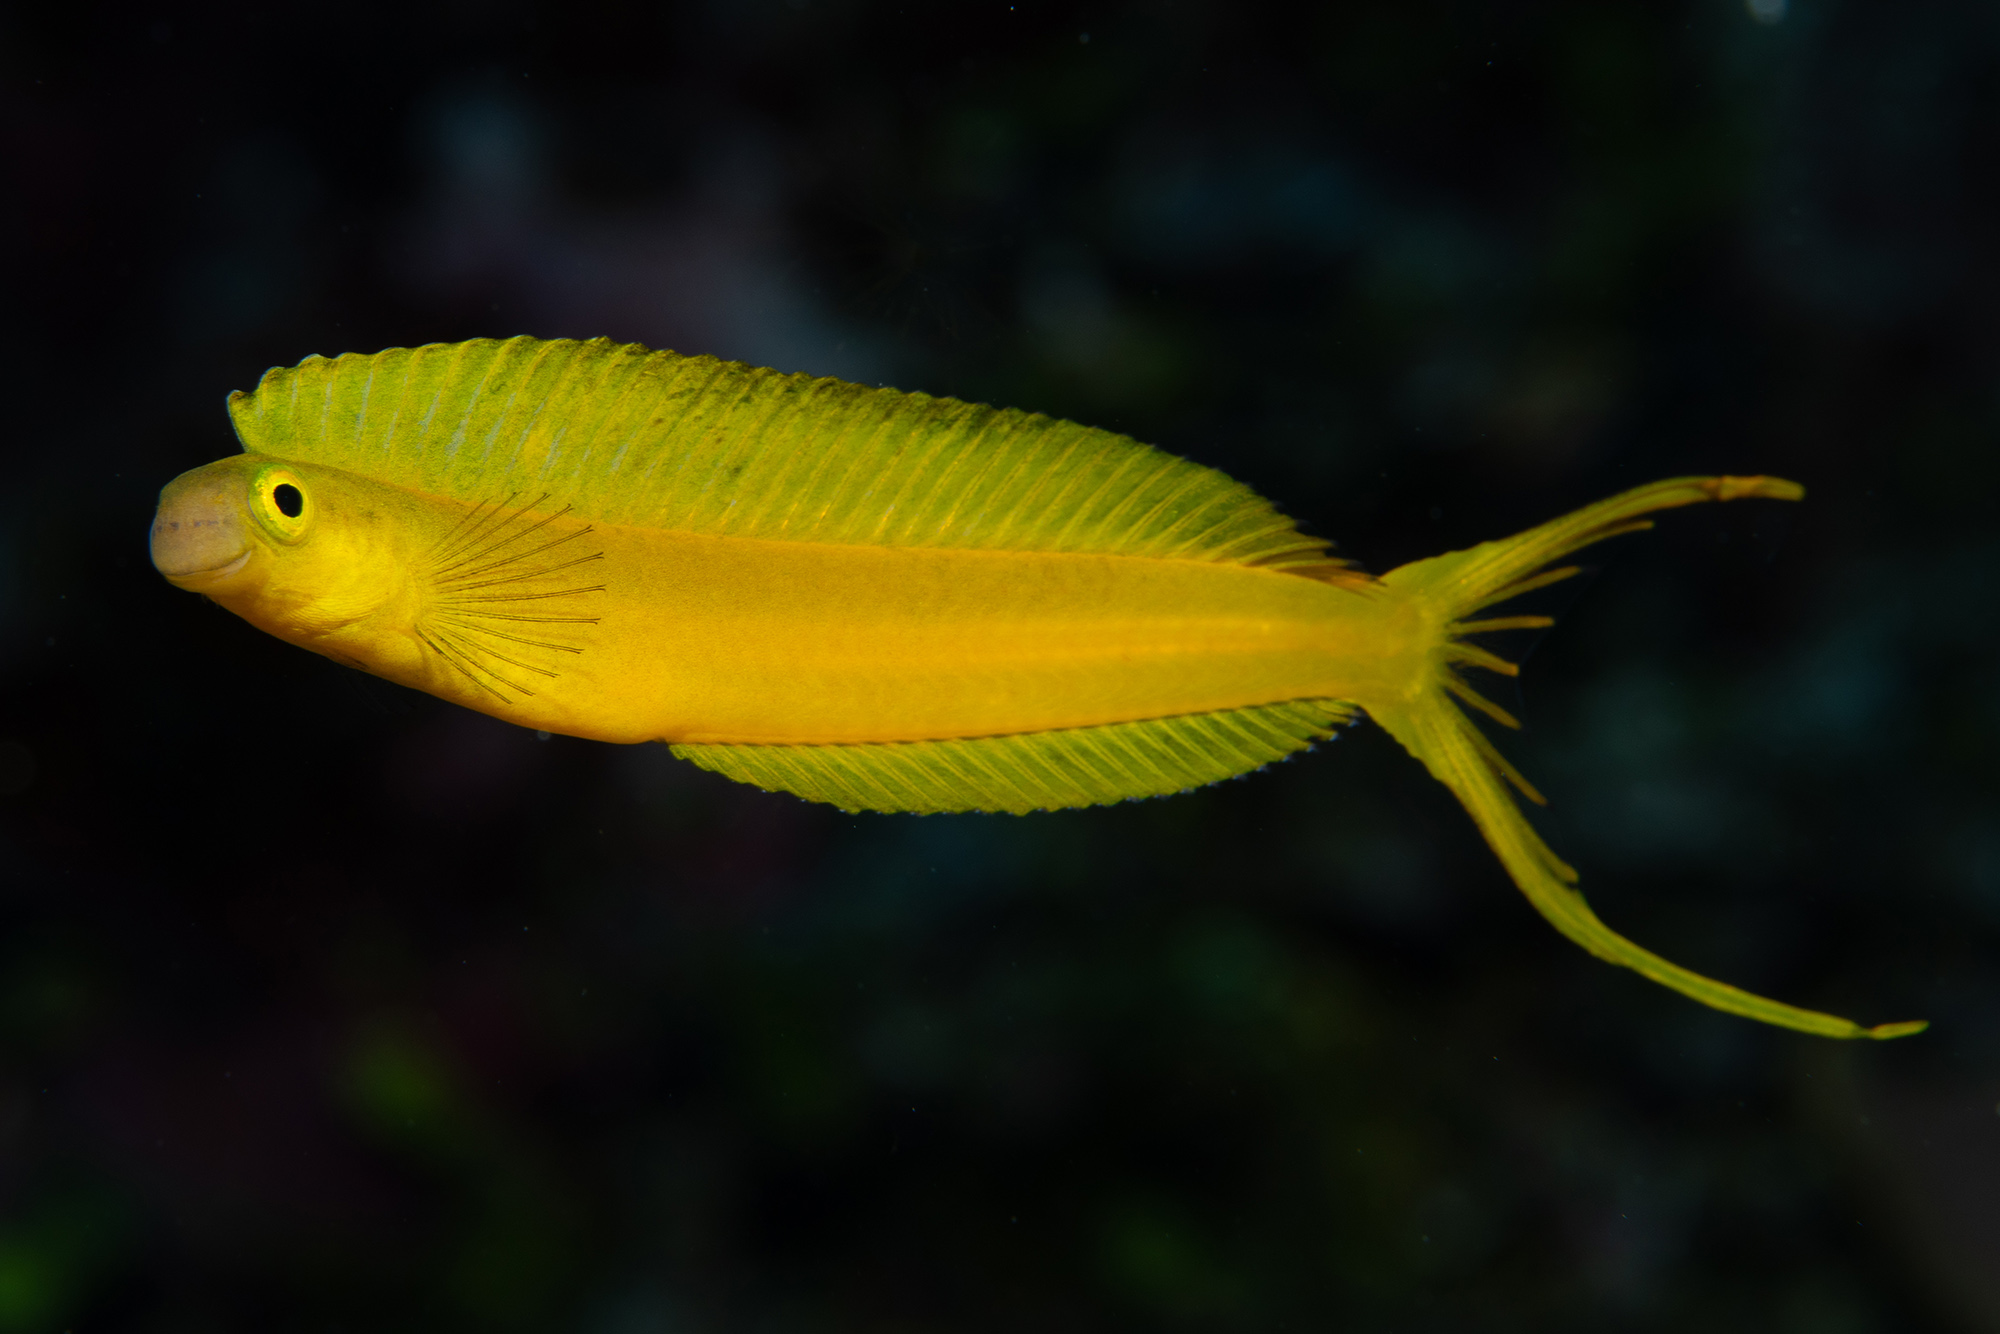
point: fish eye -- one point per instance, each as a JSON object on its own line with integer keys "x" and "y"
{"x": 282, "y": 503}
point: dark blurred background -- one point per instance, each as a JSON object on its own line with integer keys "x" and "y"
{"x": 327, "y": 1006}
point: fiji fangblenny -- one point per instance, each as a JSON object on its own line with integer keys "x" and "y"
{"x": 883, "y": 600}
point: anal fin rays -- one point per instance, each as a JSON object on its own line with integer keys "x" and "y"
{"x": 1083, "y": 766}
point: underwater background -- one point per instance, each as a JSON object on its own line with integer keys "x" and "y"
{"x": 328, "y": 1006}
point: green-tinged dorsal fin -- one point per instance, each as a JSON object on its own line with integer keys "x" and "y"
{"x": 1033, "y": 771}
{"x": 629, "y": 436}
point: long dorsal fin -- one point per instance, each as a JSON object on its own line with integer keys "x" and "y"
{"x": 1033, "y": 771}
{"x": 625, "y": 435}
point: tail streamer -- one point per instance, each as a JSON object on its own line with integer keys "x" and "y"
{"x": 1457, "y": 586}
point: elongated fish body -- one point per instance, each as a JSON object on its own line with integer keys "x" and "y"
{"x": 747, "y": 640}
{"x": 878, "y": 599}
{"x": 772, "y": 643}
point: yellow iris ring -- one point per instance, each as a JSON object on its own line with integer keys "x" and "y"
{"x": 286, "y": 528}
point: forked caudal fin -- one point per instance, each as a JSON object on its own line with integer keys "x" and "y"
{"x": 1457, "y": 587}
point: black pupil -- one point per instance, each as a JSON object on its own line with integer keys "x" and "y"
{"x": 288, "y": 500}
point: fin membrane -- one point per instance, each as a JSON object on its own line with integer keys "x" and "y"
{"x": 626, "y": 435}
{"x": 1033, "y": 771}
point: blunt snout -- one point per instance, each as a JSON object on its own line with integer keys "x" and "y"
{"x": 198, "y": 530}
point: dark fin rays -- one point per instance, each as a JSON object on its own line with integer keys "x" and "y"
{"x": 493, "y": 578}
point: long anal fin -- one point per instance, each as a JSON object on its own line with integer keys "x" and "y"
{"x": 1031, "y": 771}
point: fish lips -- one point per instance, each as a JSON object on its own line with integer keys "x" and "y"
{"x": 199, "y": 580}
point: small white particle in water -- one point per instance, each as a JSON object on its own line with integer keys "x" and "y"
{"x": 1766, "y": 12}
{"x": 543, "y": 736}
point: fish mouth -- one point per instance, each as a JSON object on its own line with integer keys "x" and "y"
{"x": 210, "y": 573}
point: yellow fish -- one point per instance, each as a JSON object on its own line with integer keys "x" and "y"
{"x": 883, "y": 600}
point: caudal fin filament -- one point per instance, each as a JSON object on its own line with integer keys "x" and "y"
{"x": 1457, "y": 586}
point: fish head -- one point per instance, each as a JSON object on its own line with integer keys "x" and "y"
{"x": 215, "y": 522}
{"x": 298, "y": 549}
